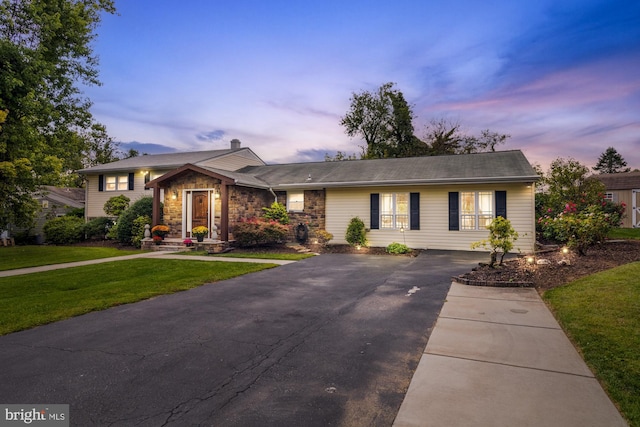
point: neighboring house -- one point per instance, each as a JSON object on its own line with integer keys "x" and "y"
{"x": 53, "y": 202}
{"x": 624, "y": 188}
{"x": 441, "y": 202}
{"x": 128, "y": 177}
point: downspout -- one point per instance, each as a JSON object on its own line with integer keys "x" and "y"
{"x": 274, "y": 194}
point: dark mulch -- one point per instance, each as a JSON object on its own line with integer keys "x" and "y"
{"x": 561, "y": 268}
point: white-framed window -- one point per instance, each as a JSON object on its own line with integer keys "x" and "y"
{"x": 116, "y": 182}
{"x": 476, "y": 210}
{"x": 45, "y": 204}
{"x": 610, "y": 197}
{"x": 295, "y": 201}
{"x": 394, "y": 210}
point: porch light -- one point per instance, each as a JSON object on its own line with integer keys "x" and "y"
{"x": 174, "y": 195}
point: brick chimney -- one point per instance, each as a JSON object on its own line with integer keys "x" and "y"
{"x": 235, "y": 144}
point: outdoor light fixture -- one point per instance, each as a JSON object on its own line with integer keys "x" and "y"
{"x": 530, "y": 259}
{"x": 357, "y": 247}
{"x": 174, "y": 196}
{"x": 565, "y": 250}
{"x": 404, "y": 239}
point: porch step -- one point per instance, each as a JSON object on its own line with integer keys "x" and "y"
{"x": 171, "y": 248}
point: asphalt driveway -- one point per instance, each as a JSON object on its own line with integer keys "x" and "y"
{"x": 331, "y": 340}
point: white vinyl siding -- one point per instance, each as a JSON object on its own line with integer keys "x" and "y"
{"x": 342, "y": 204}
{"x": 233, "y": 161}
{"x": 96, "y": 199}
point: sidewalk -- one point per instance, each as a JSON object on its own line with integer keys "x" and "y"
{"x": 497, "y": 357}
{"x": 166, "y": 255}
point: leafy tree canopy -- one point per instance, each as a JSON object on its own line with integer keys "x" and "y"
{"x": 45, "y": 51}
{"x": 611, "y": 162}
{"x": 383, "y": 119}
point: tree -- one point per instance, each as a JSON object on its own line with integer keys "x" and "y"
{"x": 45, "y": 50}
{"x": 444, "y": 137}
{"x": 611, "y": 162}
{"x": 567, "y": 181}
{"x": 502, "y": 236}
{"x": 384, "y": 120}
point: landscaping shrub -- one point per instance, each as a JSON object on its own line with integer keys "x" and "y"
{"x": 137, "y": 230}
{"x": 356, "y": 233}
{"x": 276, "y": 212}
{"x": 64, "y": 230}
{"x": 398, "y": 248}
{"x": 579, "y": 229}
{"x": 258, "y": 232}
{"x": 141, "y": 207}
{"x": 501, "y": 238}
{"x": 97, "y": 228}
{"x": 116, "y": 205}
{"x": 323, "y": 236}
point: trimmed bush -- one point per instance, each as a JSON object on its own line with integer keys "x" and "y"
{"x": 141, "y": 207}
{"x": 116, "y": 205}
{"x": 137, "y": 230}
{"x": 356, "y": 233}
{"x": 398, "y": 248}
{"x": 501, "y": 239}
{"x": 258, "y": 232}
{"x": 276, "y": 212}
{"x": 97, "y": 228}
{"x": 64, "y": 230}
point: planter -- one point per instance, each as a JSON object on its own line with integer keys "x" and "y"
{"x": 200, "y": 238}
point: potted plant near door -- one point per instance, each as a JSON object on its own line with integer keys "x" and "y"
{"x": 200, "y": 232}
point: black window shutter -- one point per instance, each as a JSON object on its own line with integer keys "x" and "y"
{"x": 100, "y": 182}
{"x": 501, "y": 204}
{"x": 454, "y": 219}
{"x": 414, "y": 211}
{"x": 375, "y": 211}
{"x": 131, "y": 175}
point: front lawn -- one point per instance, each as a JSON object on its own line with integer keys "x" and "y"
{"x": 36, "y": 299}
{"x": 600, "y": 313}
{"x": 624, "y": 233}
{"x": 12, "y": 257}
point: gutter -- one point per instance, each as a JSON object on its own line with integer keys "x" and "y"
{"x": 274, "y": 194}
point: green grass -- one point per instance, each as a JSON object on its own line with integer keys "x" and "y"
{"x": 625, "y": 233}
{"x": 36, "y": 299}
{"x": 12, "y": 257}
{"x": 601, "y": 314}
{"x": 256, "y": 255}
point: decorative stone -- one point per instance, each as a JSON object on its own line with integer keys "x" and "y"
{"x": 147, "y": 231}
{"x": 543, "y": 261}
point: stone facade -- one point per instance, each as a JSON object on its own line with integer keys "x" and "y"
{"x": 172, "y": 209}
{"x": 244, "y": 203}
{"x": 313, "y": 215}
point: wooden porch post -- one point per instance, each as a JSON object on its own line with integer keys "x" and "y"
{"x": 156, "y": 205}
{"x": 224, "y": 214}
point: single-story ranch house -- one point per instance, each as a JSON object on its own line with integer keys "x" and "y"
{"x": 440, "y": 202}
{"x": 624, "y": 188}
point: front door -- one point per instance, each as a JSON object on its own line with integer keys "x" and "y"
{"x": 200, "y": 209}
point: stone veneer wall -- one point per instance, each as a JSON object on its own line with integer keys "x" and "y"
{"x": 313, "y": 215}
{"x": 172, "y": 209}
{"x": 246, "y": 203}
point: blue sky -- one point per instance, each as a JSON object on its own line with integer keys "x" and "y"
{"x": 562, "y": 78}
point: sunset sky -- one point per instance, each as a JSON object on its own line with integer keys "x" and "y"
{"x": 562, "y": 78}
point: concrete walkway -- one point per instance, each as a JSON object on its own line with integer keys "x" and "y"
{"x": 165, "y": 255}
{"x": 497, "y": 357}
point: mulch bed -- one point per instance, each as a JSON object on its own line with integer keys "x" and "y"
{"x": 558, "y": 269}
